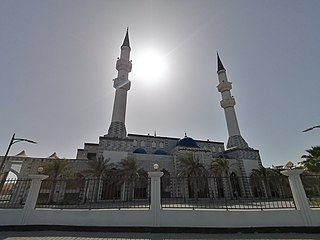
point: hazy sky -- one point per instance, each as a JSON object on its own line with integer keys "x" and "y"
{"x": 57, "y": 62}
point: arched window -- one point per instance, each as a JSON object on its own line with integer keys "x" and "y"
{"x": 143, "y": 144}
{"x": 165, "y": 184}
{"x": 135, "y": 143}
{"x": 161, "y": 145}
{"x": 153, "y": 145}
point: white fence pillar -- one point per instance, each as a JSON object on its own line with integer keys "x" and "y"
{"x": 155, "y": 204}
{"x": 299, "y": 194}
{"x": 32, "y": 196}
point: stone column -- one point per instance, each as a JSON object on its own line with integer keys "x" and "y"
{"x": 32, "y": 196}
{"x": 155, "y": 204}
{"x": 299, "y": 194}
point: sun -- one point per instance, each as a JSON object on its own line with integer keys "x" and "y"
{"x": 150, "y": 66}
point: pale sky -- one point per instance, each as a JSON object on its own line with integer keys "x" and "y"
{"x": 57, "y": 62}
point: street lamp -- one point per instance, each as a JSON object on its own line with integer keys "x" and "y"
{"x": 156, "y": 167}
{"x": 13, "y": 141}
{"x": 311, "y": 128}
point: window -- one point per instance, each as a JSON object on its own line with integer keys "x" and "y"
{"x": 91, "y": 156}
{"x": 135, "y": 143}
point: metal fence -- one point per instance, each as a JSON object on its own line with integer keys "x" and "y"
{"x": 226, "y": 193}
{"x": 193, "y": 193}
{"x": 311, "y": 184}
{"x": 104, "y": 193}
{"x": 14, "y": 192}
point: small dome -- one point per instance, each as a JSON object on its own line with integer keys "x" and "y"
{"x": 160, "y": 152}
{"x": 140, "y": 150}
{"x": 187, "y": 142}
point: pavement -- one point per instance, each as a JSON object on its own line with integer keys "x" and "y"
{"x": 68, "y": 235}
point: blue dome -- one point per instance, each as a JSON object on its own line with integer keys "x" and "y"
{"x": 140, "y": 150}
{"x": 187, "y": 142}
{"x": 160, "y": 152}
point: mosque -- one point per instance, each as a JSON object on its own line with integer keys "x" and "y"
{"x": 148, "y": 149}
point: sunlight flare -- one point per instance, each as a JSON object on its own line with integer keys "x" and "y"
{"x": 150, "y": 66}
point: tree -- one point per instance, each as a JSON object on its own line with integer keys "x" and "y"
{"x": 191, "y": 169}
{"x": 259, "y": 179}
{"x": 311, "y": 161}
{"x": 131, "y": 172}
{"x": 97, "y": 168}
{"x": 55, "y": 169}
{"x": 265, "y": 172}
{"x": 220, "y": 167}
{"x": 268, "y": 181}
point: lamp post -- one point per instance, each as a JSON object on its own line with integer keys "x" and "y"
{"x": 13, "y": 141}
{"x": 311, "y": 128}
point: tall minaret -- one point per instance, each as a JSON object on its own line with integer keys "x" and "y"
{"x": 122, "y": 85}
{"x": 227, "y": 103}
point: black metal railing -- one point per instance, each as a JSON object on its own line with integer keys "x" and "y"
{"x": 104, "y": 193}
{"x": 14, "y": 192}
{"x": 311, "y": 184}
{"x": 193, "y": 192}
{"x": 228, "y": 193}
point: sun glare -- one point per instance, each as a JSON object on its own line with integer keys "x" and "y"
{"x": 150, "y": 66}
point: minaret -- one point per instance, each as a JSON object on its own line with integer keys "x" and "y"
{"x": 227, "y": 103}
{"x": 122, "y": 85}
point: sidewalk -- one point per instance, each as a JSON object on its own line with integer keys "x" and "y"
{"x": 60, "y": 235}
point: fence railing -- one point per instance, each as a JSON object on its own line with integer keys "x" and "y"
{"x": 196, "y": 192}
{"x": 226, "y": 193}
{"x": 311, "y": 184}
{"x": 14, "y": 192}
{"x": 104, "y": 193}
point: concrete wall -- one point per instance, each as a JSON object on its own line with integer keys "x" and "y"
{"x": 226, "y": 219}
{"x": 167, "y": 218}
{"x": 96, "y": 217}
{"x": 11, "y": 216}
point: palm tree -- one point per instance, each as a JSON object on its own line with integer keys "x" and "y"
{"x": 220, "y": 167}
{"x": 269, "y": 180}
{"x": 97, "y": 168}
{"x": 311, "y": 161}
{"x": 260, "y": 176}
{"x": 130, "y": 171}
{"x": 191, "y": 169}
{"x": 55, "y": 169}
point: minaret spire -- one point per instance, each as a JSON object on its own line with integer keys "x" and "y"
{"x": 126, "y": 41}
{"x": 122, "y": 85}
{"x": 220, "y": 65}
{"x": 227, "y": 103}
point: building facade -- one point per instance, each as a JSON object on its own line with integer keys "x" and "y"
{"x": 148, "y": 149}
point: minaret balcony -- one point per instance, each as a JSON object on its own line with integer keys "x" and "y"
{"x": 230, "y": 102}
{"x": 224, "y": 86}
{"x": 123, "y": 64}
